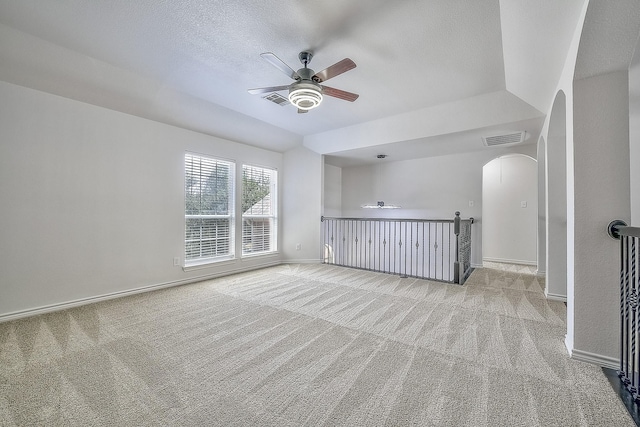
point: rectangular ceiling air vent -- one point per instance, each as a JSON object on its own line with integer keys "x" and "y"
{"x": 509, "y": 138}
{"x": 277, "y": 99}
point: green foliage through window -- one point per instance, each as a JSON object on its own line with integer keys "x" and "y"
{"x": 259, "y": 225}
{"x": 208, "y": 208}
{"x": 255, "y": 186}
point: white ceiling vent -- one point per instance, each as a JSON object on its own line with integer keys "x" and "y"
{"x": 277, "y": 99}
{"x": 505, "y": 139}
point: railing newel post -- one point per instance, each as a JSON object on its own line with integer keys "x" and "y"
{"x": 456, "y": 263}
{"x": 629, "y": 238}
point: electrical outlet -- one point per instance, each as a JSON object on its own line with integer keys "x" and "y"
{"x": 176, "y": 261}
{"x": 298, "y": 247}
{"x": 523, "y": 204}
{"x": 471, "y": 203}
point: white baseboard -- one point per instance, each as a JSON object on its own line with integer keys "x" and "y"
{"x": 90, "y": 300}
{"x": 555, "y": 297}
{"x": 595, "y": 359}
{"x": 510, "y": 261}
{"x": 301, "y": 261}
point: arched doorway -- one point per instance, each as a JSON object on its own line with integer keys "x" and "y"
{"x": 510, "y": 210}
{"x": 542, "y": 206}
{"x": 556, "y": 201}
{"x": 598, "y": 176}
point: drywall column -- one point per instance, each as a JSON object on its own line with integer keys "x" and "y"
{"x": 601, "y": 193}
{"x": 542, "y": 207}
{"x": 634, "y": 136}
{"x": 301, "y": 205}
{"x": 556, "y": 201}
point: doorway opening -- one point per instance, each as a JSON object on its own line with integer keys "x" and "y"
{"x": 510, "y": 211}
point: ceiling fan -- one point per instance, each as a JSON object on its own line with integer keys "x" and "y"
{"x": 306, "y": 92}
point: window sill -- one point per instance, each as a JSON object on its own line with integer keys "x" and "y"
{"x": 260, "y": 254}
{"x": 201, "y": 265}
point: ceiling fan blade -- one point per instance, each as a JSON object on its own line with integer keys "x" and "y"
{"x": 280, "y": 65}
{"x": 260, "y": 90}
{"x": 335, "y": 70}
{"x": 301, "y": 111}
{"x": 337, "y": 93}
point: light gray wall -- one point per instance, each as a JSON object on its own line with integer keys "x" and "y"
{"x": 433, "y": 187}
{"x": 601, "y": 193}
{"x": 556, "y": 200}
{"x": 597, "y": 176}
{"x": 332, "y": 191}
{"x": 542, "y": 206}
{"x": 92, "y": 200}
{"x": 302, "y": 205}
{"x": 634, "y": 136}
{"x": 510, "y": 210}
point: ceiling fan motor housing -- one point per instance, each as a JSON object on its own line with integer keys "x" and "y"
{"x": 306, "y": 74}
{"x": 305, "y": 94}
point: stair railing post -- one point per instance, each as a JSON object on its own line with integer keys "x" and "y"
{"x": 456, "y": 264}
{"x": 625, "y": 353}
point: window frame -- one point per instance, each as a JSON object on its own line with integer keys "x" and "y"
{"x": 271, "y": 217}
{"x": 211, "y": 243}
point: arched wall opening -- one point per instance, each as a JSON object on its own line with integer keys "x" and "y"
{"x": 510, "y": 210}
{"x": 542, "y": 206}
{"x": 599, "y": 185}
{"x": 556, "y": 201}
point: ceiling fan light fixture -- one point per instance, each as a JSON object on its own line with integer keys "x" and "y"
{"x": 380, "y": 205}
{"x": 305, "y": 95}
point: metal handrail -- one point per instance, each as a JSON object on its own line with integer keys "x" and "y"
{"x": 629, "y": 238}
{"x": 323, "y": 218}
{"x": 618, "y": 228}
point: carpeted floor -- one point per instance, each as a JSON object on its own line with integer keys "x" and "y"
{"x": 298, "y": 345}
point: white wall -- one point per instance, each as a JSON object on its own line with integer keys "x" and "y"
{"x": 565, "y": 85}
{"x": 597, "y": 180}
{"x": 510, "y": 210}
{"x": 542, "y": 206}
{"x": 92, "y": 200}
{"x": 601, "y": 190}
{"x": 332, "y": 202}
{"x": 556, "y": 200}
{"x": 433, "y": 187}
{"x": 634, "y": 136}
{"x": 302, "y": 205}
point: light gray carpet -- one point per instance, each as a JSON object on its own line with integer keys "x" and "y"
{"x": 306, "y": 345}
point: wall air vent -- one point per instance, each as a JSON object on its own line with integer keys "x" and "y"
{"x": 277, "y": 99}
{"x": 505, "y": 139}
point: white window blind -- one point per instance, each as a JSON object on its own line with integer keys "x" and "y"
{"x": 209, "y": 185}
{"x": 259, "y": 213}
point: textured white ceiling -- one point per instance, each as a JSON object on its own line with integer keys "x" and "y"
{"x": 536, "y": 37}
{"x": 190, "y": 63}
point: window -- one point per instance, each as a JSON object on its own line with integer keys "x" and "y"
{"x": 208, "y": 215}
{"x": 259, "y": 220}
